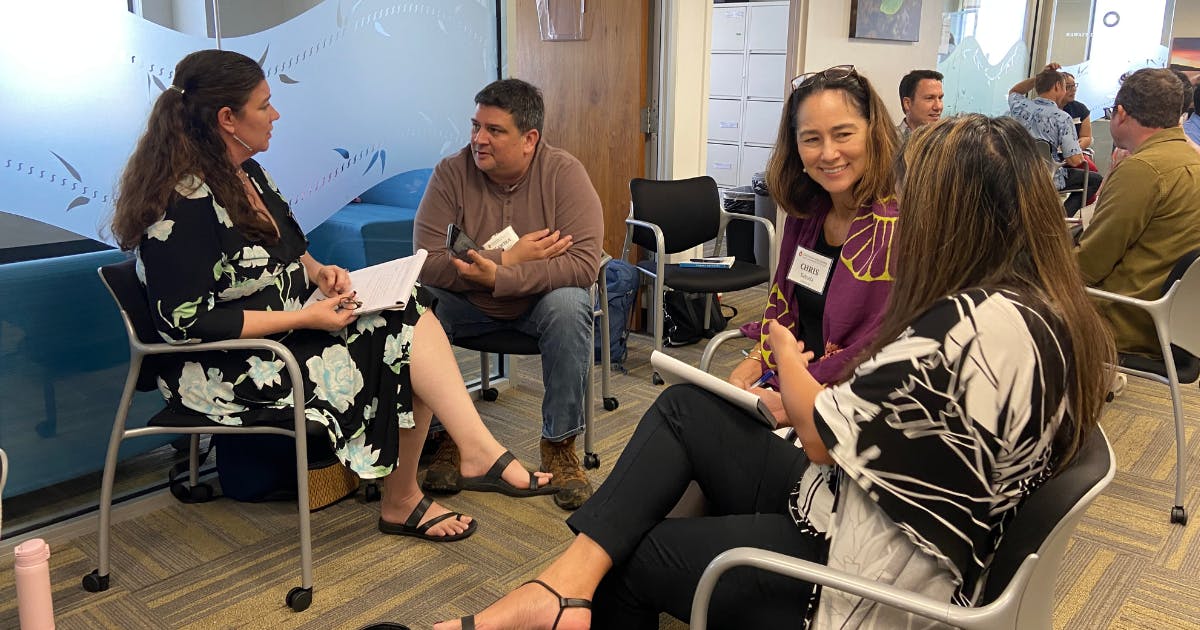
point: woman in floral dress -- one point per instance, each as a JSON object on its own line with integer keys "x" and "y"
{"x": 222, "y": 257}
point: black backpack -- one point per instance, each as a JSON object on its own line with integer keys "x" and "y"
{"x": 683, "y": 318}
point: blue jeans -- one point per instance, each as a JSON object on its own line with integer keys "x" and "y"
{"x": 562, "y": 323}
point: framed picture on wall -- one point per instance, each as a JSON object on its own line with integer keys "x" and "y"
{"x": 894, "y": 20}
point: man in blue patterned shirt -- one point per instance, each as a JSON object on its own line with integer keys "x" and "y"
{"x": 1045, "y": 121}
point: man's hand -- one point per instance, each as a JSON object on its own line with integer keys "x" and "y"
{"x": 333, "y": 280}
{"x": 538, "y": 245}
{"x": 480, "y": 270}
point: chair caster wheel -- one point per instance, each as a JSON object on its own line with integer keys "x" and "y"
{"x": 591, "y": 461}
{"x": 1109, "y": 397}
{"x": 611, "y": 403}
{"x": 182, "y": 444}
{"x": 656, "y": 379}
{"x": 94, "y": 582}
{"x": 299, "y": 599}
{"x": 490, "y": 394}
{"x": 1179, "y": 515}
{"x": 47, "y": 429}
{"x": 199, "y": 493}
{"x": 371, "y": 493}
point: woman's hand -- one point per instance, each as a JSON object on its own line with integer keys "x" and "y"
{"x": 333, "y": 280}
{"x": 774, "y": 402}
{"x": 331, "y": 314}
{"x": 746, "y": 373}
{"x": 785, "y": 347}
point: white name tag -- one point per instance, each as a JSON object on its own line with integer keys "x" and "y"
{"x": 503, "y": 239}
{"x": 810, "y": 269}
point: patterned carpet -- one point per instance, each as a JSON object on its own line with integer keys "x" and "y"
{"x": 229, "y": 565}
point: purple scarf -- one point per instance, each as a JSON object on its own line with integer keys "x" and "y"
{"x": 858, "y": 291}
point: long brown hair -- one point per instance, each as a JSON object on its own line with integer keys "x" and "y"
{"x": 980, "y": 213}
{"x": 181, "y": 141}
{"x": 792, "y": 188}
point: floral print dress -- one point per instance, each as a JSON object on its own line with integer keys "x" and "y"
{"x": 201, "y": 273}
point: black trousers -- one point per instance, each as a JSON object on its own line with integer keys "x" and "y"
{"x": 746, "y": 473}
{"x": 1075, "y": 180}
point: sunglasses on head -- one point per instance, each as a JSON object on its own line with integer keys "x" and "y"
{"x": 1109, "y": 111}
{"x": 828, "y": 74}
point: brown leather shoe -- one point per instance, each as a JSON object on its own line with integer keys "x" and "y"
{"x": 442, "y": 475}
{"x": 560, "y": 459}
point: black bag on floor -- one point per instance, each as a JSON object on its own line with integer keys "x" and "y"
{"x": 683, "y": 318}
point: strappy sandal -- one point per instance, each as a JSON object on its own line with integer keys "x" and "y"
{"x": 493, "y": 481}
{"x": 413, "y": 527}
{"x": 468, "y": 622}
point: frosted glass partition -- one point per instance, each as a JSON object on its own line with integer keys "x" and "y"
{"x": 1123, "y": 38}
{"x": 366, "y": 89}
{"x": 984, "y": 54}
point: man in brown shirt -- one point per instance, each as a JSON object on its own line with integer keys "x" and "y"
{"x": 538, "y": 221}
{"x": 1148, "y": 214}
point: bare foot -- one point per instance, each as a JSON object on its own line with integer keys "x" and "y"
{"x": 515, "y": 473}
{"x": 399, "y": 510}
{"x": 529, "y": 607}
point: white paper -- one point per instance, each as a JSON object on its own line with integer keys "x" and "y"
{"x": 384, "y": 286}
{"x": 674, "y": 371}
{"x": 502, "y": 240}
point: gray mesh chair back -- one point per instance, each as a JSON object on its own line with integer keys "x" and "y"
{"x": 1174, "y": 316}
{"x": 145, "y": 344}
{"x": 1019, "y": 587}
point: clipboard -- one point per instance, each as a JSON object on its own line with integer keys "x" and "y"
{"x": 383, "y": 287}
{"x": 674, "y": 371}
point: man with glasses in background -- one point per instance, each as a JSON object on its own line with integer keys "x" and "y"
{"x": 1147, "y": 215}
{"x": 1045, "y": 121}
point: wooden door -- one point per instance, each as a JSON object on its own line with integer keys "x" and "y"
{"x": 595, "y": 90}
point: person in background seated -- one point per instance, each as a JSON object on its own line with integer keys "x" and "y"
{"x": 988, "y": 372}
{"x": 1148, "y": 215}
{"x": 509, "y": 183}
{"x": 1045, "y": 121}
{"x": 222, "y": 257}
{"x": 831, "y": 172}
{"x": 921, "y": 100}
{"x": 1079, "y": 113}
{"x": 1191, "y": 126}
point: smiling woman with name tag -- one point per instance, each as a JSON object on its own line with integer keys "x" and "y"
{"x": 832, "y": 173}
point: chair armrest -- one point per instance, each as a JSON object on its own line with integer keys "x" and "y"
{"x": 659, "y": 241}
{"x": 986, "y": 616}
{"x": 1146, "y": 305}
{"x": 813, "y": 573}
{"x": 710, "y": 349}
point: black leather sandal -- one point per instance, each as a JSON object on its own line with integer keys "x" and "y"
{"x": 493, "y": 481}
{"x": 468, "y": 622}
{"x": 413, "y": 527}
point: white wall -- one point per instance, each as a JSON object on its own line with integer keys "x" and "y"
{"x": 685, "y": 109}
{"x": 827, "y": 43}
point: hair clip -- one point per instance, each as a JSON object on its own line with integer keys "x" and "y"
{"x": 176, "y": 88}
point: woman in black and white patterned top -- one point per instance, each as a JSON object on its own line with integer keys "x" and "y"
{"x": 986, "y": 375}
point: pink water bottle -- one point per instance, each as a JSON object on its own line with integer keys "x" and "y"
{"x": 31, "y": 560}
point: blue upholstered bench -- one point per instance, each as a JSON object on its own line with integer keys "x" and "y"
{"x": 374, "y": 231}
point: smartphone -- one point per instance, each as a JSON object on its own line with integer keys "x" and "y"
{"x": 458, "y": 242}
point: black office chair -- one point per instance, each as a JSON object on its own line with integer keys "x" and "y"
{"x": 1174, "y": 315}
{"x": 516, "y": 343}
{"x": 145, "y": 345}
{"x": 1019, "y": 591}
{"x": 671, "y": 216}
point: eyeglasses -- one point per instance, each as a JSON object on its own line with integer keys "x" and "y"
{"x": 1072, "y": 86}
{"x": 828, "y": 74}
